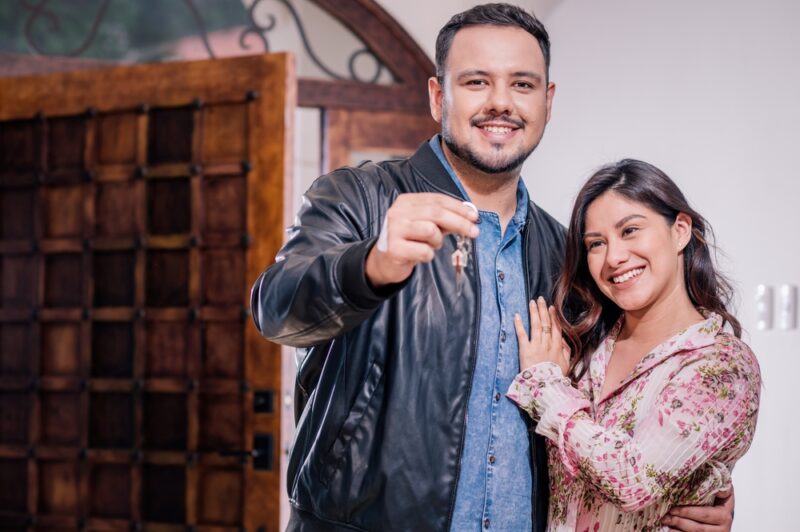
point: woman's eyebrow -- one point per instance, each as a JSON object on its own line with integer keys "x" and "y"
{"x": 618, "y": 224}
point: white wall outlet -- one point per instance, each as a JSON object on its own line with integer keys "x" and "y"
{"x": 764, "y": 299}
{"x": 787, "y": 307}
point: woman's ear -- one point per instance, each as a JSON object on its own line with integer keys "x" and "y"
{"x": 682, "y": 230}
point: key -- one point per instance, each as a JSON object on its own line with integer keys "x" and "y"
{"x": 460, "y": 260}
{"x": 460, "y": 257}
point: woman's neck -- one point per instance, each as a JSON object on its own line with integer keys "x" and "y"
{"x": 661, "y": 320}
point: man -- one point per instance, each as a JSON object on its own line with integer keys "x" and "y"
{"x": 404, "y": 296}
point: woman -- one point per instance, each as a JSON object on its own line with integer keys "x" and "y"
{"x": 661, "y": 401}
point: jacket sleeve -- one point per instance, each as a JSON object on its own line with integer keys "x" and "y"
{"x": 317, "y": 288}
{"x": 706, "y": 407}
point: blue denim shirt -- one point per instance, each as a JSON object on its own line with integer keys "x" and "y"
{"x": 494, "y": 486}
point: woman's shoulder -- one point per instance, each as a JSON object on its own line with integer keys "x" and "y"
{"x": 731, "y": 346}
{"x": 730, "y": 353}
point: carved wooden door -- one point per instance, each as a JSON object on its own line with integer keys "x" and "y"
{"x": 137, "y": 205}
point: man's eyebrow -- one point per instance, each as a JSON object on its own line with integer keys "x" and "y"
{"x": 618, "y": 224}
{"x": 517, "y": 74}
{"x": 472, "y": 72}
{"x": 527, "y": 74}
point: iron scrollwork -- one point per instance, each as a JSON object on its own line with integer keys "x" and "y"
{"x": 39, "y": 13}
{"x": 260, "y": 30}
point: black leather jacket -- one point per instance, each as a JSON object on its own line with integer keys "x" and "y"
{"x": 383, "y": 386}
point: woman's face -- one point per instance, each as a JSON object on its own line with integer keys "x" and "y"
{"x": 633, "y": 254}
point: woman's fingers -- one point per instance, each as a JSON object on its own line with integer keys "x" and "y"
{"x": 545, "y": 343}
{"x": 526, "y": 355}
{"x": 536, "y": 323}
{"x": 544, "y": 318}
{"x": 522, "y": 335}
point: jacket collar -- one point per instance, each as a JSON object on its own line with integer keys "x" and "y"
{"x": 430, "y": 169}
{"x": 701, "y": 334}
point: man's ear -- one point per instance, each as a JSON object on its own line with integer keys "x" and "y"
{"x": 435, "y": 97}
{"x": 551, "y": 91}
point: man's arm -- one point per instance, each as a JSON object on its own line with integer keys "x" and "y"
{"x": 330, "y": 276}
{"x": 315, "y": 290}
{"x": 717, "y": 518}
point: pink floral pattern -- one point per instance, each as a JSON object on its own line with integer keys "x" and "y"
{"x": 668, "y": 434}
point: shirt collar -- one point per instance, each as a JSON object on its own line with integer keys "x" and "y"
{"x": 701, "y": 334}
{"x": 522, "y": 191}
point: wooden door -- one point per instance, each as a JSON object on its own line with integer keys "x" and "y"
{"x": 137, "y": 205}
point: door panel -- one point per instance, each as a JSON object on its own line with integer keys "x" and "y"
{"x": 138, "y": 205}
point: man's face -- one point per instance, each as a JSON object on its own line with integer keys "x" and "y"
{"x": 495, "y": 101}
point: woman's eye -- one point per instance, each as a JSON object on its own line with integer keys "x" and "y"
{"x": 629, "y": 230}
{"x": 593, "y": 244}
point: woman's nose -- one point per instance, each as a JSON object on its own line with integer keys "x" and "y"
{"x": 617, "y": 253}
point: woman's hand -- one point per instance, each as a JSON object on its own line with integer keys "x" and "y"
{"x": 545, "y": 343}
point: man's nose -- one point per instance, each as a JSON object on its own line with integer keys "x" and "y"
{"x": 500, "y": 101}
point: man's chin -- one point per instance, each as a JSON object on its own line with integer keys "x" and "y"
{"x": 502, "y": 165}
{"x": 490, "y": 162}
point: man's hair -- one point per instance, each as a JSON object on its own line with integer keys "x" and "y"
{"x": 490, "y": 15}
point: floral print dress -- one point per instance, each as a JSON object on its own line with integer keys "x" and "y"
{"x": 668, "y": 434}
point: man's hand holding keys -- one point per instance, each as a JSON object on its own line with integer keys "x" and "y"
{"x": 413, "y": 229}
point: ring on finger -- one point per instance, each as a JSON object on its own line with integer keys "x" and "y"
{"x": 546, "y": 329}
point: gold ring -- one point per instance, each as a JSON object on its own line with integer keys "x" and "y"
{"x": 546, "y": 330}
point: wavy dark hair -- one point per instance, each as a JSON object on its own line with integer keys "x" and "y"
{"x": 586, "y": 314}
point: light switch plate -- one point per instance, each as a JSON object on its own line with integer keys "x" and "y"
{"x": 787, "y": 307}
{"x": 764, "y": 301}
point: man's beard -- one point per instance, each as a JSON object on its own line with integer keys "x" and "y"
{"x": 499, "y": 165}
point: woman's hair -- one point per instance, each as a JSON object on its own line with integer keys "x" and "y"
{"x": 585, "y": 312}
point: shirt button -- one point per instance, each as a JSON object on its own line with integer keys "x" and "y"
{"x": 501, "y": 275}
{"x": 502, "y": 336}
{"x": 492, "y": 459}
{"x": 486, "y": 523}
{"x": 497, "y": 396}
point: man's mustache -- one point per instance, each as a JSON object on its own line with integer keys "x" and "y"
{"x": 480, "y": 120}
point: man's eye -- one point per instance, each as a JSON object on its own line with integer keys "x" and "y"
{"x": 523, "y": 85}
{"x": 476, "y": 82}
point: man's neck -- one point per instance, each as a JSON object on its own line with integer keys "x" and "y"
{"x": 489, "y": 192}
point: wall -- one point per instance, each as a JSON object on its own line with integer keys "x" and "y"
{"x": 707, "y": 91}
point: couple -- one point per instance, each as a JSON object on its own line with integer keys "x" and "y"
{"x": 436, "y": 399}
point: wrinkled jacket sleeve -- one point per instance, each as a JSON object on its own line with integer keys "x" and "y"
{"x": 317, "y": 288}
{"x": 704, "y": 408}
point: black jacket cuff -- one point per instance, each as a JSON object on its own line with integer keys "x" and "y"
{"x": 352, "y": 278}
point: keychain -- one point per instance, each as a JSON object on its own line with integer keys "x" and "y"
{"x": 460, "y": 257}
